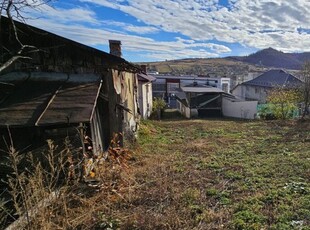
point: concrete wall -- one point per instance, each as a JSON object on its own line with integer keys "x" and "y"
{"x": 184, "y": 110}
{"x": 243, "y": 109}
{"x": 145, "y": 99}
{"x": 248, "y": 92}
{"x": 224, "y": 84}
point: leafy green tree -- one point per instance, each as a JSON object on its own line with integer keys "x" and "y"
{"x": 282, "y": 102}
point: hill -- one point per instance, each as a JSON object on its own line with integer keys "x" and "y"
{"x": 234, "y": 65}
{"x": 273, "y": 58}
{"x": 202, "y": 66}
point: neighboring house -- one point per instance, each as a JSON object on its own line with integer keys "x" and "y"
{"x": 166, "y": 86}
{"x": 207, "y": 101}
{"x": 65, "y": 87}
{"x": 145, "y": 94}
{"x": 258, "y": 88}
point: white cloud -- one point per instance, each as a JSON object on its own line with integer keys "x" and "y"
{"x": 72, "y": 15}
{"x": 180, "y": 48}
{"x": 141, "y": 29}
{"x": 131, "y": 28}
{"x": 257, "y": 23}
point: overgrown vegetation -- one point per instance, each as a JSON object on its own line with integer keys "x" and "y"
{"x": 46, "y": 188}
{"x": 282, "y": 102}
{"x": 199, "y": 174}
{"x": 209, "y": 174}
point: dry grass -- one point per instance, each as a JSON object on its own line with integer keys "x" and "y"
{"x": 211, "y": 174}
{"x": 200, "y": 174}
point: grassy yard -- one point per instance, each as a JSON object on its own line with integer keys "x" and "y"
{"x": 213, "y": 174}
{"x": 198, "y": 174}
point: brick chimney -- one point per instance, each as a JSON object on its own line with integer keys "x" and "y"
{"x": 115, "y": 47}
{"x": 144, "y": 68}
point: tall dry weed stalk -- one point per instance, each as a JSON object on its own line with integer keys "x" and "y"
{"x": 47, "y": 192}
{"x": 38, "y": 183}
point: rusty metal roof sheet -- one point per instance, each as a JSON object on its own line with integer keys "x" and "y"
{"x": 48, "y": 98}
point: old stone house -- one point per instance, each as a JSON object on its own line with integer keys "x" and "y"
{"x": 64, "y": 87}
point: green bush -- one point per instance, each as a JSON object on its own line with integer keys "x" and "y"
{"x": 159, "y": 105}
{"x": 283, "y": 102}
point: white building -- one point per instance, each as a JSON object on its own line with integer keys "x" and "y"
{"x": 202, "y": 101}
{"x": 145, "y": 94}
{"x": 259, "y": 87}
{"x": 166, "y": 86}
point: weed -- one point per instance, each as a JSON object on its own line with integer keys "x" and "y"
{"x": 191, "y": 196}
{"x": 106, "y": 223}
{"x": 212, "y": 192}
{"x": 247, "y": 220}
{"x": 200, "y": 174}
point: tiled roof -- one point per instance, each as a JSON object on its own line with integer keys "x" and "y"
{"x": 275, "y": 78}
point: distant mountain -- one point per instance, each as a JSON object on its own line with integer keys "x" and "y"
{"x": 274, "y": 58}
{"x": 231, "y": 66}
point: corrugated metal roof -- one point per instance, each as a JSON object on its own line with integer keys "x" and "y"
{"x": 202, "y": 90}
{"x": 48, "y": 99}
{"x": 274, "y": 78}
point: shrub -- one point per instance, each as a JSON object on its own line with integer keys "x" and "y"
{"x": 158, "y": 105}
{"x": 282, "y": 102}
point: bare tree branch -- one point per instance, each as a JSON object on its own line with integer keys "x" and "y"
{"x": 11, "y": 61}
{"x": 15, "y": 9}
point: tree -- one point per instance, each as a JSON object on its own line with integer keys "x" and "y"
{"x": 14, "y": 10}
{"x": 158, "y": 105}
{"x": 283, "y": 101}
{"x": 306, "y": 88}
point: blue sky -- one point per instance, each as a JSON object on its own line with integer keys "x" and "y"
{"x": 155, "y": 30}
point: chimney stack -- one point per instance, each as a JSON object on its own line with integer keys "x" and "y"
{"x": 144, "y": 68}
{"x": 115, "y": 47}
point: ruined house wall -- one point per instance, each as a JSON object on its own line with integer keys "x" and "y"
{"x": 124, "y": 104}
{"x": 131, "y": 118}
{"x": 58, "y": 54}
